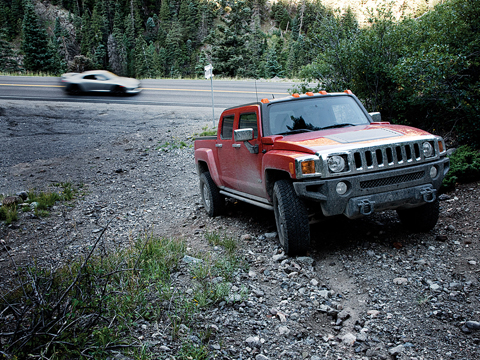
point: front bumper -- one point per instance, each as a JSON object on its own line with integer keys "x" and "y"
{"x": 367, "y": 193}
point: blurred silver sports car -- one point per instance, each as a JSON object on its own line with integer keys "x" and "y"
{"x": 99, "y": 81}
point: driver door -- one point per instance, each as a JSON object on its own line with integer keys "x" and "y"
{"x": 240, "y": 164}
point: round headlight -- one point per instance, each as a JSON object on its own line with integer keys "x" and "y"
{"x": 427, "y": 149}
{"x": 336, "y": 163}
{"x": 341, "y": 188}
{"x": 433, "y": 172}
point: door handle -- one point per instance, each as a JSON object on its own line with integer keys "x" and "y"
{"x": 236, "y": 145}
{"x": 218, "y": 145}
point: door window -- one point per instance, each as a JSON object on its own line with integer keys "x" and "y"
{"x": 249, "y": 121}
{"x": 227, "y": 127}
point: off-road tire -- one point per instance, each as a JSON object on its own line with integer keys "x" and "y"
{"x": 422, "y": 218}
{"x": 213, "y": 201}
{"x": 291, "y": 217}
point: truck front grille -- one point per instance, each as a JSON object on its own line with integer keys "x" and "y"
{"x": 388, "y": 155}
{"x": 399, "y": 179}
{"x": 380, "y": 156}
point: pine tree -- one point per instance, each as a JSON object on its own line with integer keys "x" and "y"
{"x": 129, "y": 42}
{"x": 150, "y": 31}
{"x": 164, "y": 11}
{"x": 273, "y": 67}
{"x": 58, "y": 45}
{"x": 175, "y": 49}
{"x": 17, "y": 13}
{"x": 100, "y": 56}
{"x": 231, "y": 50}
{"x": 161, "y": 61}
{"x": 35, "y": 45}
{"x": 8, "y": 62}
{"x": 116, "y": 55}
{"x": 141, "y": 61}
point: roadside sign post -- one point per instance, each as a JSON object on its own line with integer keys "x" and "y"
{"x": 209, "y": 75}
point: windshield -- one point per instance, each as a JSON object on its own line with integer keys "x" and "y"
{"x": 293, "y": 117}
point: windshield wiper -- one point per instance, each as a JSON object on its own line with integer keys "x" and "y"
{"x": 296, "y": 131}
{"x": 337, "y": 126}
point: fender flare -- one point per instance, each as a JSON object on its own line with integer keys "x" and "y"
{"x": 208, "y": 157}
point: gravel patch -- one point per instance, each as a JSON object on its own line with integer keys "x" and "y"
{"x": 368, "y": 289}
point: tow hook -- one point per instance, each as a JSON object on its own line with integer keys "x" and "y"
{"x": 428, "y": 195}
{"x": 366, "y": 207}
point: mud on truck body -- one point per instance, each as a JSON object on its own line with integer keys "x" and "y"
{"x": 324, "y": 153}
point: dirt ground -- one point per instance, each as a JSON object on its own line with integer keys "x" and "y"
{"x": 141, "y": 179}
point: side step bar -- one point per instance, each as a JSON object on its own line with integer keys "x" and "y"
{"x": 247, "y": 200}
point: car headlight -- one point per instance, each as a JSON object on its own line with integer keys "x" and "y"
{"x": 427, "y": 149}
{"x": 336, "y": 163}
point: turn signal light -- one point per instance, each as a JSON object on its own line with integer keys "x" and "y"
{"x": 440, "y": 146}
{"x": 291, "y": 167}
{"x": 308, "y": 167}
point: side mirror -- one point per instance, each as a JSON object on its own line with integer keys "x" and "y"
{"x": 376, "y": 116}
{"x": 243, "y": 134}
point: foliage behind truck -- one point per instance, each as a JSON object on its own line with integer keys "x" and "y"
{"x": 320, "y": 153}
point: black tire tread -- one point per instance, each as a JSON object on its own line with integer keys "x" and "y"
{"x": 217, "y": 199}
{"x": 296, "y": 239}
{"x": 422, "y": 218}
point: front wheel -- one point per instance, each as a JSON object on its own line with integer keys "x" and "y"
{"x": 291, "y": 217}
{"x": 422, "y": 218}
{"x": 213, "y": 201}
{"x": 118, "y": 90}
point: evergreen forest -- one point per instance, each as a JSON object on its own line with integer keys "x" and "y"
{"x": 421, "y": 70}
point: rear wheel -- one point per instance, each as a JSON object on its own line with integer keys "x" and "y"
{"x": 74, "y": 89}
{"x": 291, "y": 217}
{"x": 213, "y": 201}
{"x": 422, "y": 218}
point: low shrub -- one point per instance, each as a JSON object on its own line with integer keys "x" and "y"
{"x": 464, "y": 167}
{"x": 8, "y": 213}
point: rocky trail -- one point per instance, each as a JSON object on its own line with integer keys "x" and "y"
{"x": 368, "y": 289}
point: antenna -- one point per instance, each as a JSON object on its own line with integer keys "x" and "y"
{"x": 273, "y": 96}
{"x": 256, "y": 93}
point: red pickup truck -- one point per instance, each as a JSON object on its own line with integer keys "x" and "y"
{"x": 320, "y": 153}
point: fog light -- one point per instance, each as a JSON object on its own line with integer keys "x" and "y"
{"x": 433, "y": 172}
{"x": 341, "y": 188}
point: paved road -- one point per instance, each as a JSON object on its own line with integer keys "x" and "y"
{"x": 38, "y": 121}
{"x": 196, "y": 93}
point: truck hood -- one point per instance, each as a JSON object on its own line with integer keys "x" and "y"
{"x": 333, "y": 139}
